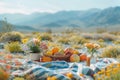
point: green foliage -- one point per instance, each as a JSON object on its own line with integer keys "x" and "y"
{"x": 11, "y": 36}
{"x": 13, "y": 47}
{"x": 35, "y": 49}
{"x": 34, "y": 45}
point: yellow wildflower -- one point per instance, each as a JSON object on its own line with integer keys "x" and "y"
{"x": 24, "y": 41}
{"x": 18, "y": 78}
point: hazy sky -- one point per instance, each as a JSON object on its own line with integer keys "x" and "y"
{"x": 30, "y": 6}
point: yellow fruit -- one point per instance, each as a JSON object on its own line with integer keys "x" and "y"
{"x": 49, "y": 53}
{"x": 18, "y": 78}
{"x": 74, "y": 58}
{"x": 75, "y": 52}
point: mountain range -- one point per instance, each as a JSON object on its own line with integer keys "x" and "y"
{"x": 71, "y": 19}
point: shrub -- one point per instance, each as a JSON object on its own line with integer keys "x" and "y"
{"x": 46, "y": 36}
{"x": 102, "y": 44}
{"x": 13, "y": 47}
{"x": 1, "y": 34}
{"x": 64, "y": 40}
{"x": 87, "y": 36}
{"x": 11, "y": 36}
{"x": 103, "y": 36}
{"x": 100, "y": 40}
{"x": 81, "y": 40}
{"x": 111, "y": 51}
{"x": 108, "y": 37}
{"x": 101, "y": 30}
{"x": 117, "y": 42}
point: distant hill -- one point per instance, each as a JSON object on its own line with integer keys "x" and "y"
{"x": 17, "y": 27}
{"x": 89, "y": 18}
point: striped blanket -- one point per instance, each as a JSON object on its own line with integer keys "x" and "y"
{"x": 41, "y": 71}
{"x": 59, "y": 69}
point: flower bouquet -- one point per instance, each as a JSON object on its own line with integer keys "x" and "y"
{"x": 92, "y": 49}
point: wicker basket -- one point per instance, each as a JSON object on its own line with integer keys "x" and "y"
{"x": 60, "y": 57}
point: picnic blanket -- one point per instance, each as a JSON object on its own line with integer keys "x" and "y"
{"x": 32, "y": 70}
{"x": 59, "y": 69}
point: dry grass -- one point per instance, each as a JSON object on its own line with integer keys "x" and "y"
{"x": 97, "y": 36}
{"x": 111, "y": 52}
{"x": 11, "y": 36}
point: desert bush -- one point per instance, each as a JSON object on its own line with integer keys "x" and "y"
{"x": 1, "y": 34}
{"x": 111, "y": 52}
{"x": 34, "y": 33}
{"x": 101, "y": 30}
{"x": 115, "y": 32}
{"x": 77, "y": 46}
{"x": 46, "y": 36}
{"x": 102, "y": 44}
{"x": 82, "y": 40}
{"x": 64, "y": 40}
{"x": 116, "y": 42}
{"x": 108, "y": 37}
{"x": 100, "y": 40}
{"x": 11, "y": 36}
{"x": 13, "y": 47}
{"x": 28, "y": 35}
{"x": 78, "y": 39}
{"x": 87, "y": 36}
{"x": 103, "y": 36}
{"x": 118, "y": 57}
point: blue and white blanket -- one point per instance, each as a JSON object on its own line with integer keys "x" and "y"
{"x": 40, "y": 71}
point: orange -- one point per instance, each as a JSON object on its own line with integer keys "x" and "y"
{"x": 83, "y": 57}
{"x": 46, "y": 59}
{"x": 55, "y": 50}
